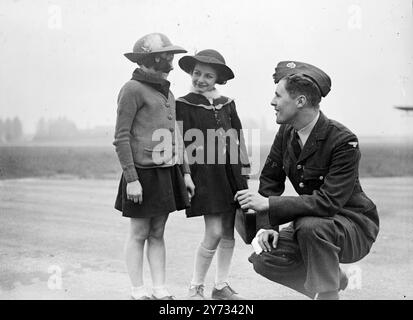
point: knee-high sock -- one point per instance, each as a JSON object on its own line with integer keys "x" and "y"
{"x": 224, "y": 257}
{"x": 203, "y": 260}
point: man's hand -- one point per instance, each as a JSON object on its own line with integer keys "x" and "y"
{"x": 189, "y": 185}
{"x": 134, "y": 192}
{"x": 252, "y": 200}
{"x": 267, "y": 238}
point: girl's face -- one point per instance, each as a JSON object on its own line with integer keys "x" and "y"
{"x": 204, "y": 78}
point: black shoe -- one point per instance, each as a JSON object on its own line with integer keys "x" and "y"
{"x": 163, "y": 298}
{"x": 343, "y": 280}
{"x": 226, "y": 293}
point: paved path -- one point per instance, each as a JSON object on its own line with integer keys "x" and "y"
{"x": 66, "y": 229}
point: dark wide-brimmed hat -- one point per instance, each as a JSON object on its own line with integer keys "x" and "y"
{"x": 286, "y": 68}
{"x": 210, "y": 57}
{"x": 152, "y": 43}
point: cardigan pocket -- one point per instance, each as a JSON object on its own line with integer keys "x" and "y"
{"x": 158, "y": 153}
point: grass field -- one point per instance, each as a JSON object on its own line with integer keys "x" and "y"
{"x": 100, "y": 162}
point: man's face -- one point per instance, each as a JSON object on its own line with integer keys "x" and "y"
{"x": 164, "y": 62}
{"x": 284, "y": 105}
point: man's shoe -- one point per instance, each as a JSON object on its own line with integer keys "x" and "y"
{"x": 226, "y": 293}
{"x": 331, "y": 295}
{"x": 343, "y": 280}
{"x": 163, "y": 298}
{"x": 196, "y": 292}
{"x": 134, "y": 297}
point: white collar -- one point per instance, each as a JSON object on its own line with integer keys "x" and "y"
{"x": 210, "y": 95}
{"x": 305, "y": 132}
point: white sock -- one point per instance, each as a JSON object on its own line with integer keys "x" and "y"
{"x": 160, "y": 292}
{"x": 203, "y": 260}
{"x": 224, "y": 257}
{"x": 138, "y": 292}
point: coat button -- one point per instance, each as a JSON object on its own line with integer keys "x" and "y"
{"x": 299, "y": 167}
{"x": 321, "y": 178}
{"x": 170, "y": 117}
{"x": 301, "y": 184}
{"x": 171, "y": 129}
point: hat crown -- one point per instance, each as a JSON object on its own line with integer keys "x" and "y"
{"x": 212, "y": 54}
{"x": 321, "y": 79}
{"x": 152, "y": 42}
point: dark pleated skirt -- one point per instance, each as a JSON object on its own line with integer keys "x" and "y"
{"x": 215, "y": 187}
{"x": 164, "y": 191}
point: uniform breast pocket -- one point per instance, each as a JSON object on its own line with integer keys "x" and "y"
{"x": 314, "y": 177}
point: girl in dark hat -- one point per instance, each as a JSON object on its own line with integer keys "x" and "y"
{"x": 212, "y": 131}
{"x": 156, "y": 178}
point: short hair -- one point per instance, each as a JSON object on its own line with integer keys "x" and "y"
{"x": 147, "y": 60}
{"x": 300, "y": 84}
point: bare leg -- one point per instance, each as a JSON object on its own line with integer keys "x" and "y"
{"x": 139, "y": 231}
{"x": 156, "y": 250}
{"x": 213, "y": 231}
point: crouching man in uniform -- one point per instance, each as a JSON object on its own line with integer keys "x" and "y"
{"x": 332, "y": 219}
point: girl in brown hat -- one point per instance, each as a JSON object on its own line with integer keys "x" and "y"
{"x": 204, "y": 111}
{"x": 156, "y": 179}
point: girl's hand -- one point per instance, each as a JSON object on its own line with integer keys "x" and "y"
{"x": 134, "y": 192}
{"x": 189, "y": 185}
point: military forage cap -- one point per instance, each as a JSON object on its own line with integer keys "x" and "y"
{"x": 286, "y": 68}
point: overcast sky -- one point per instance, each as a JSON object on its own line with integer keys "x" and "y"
{"x": 65, "y": 58}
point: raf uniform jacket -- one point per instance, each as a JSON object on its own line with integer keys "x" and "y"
{"x": 325, "y": 176}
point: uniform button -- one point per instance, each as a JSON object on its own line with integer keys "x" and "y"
{"x": 167, "y": 105}
{"x": 321, "y": 178}
{"x": 171, "y": 129}
{"x": 299, "y": 166}
{"x": 301, "y": 184}
{"x": 170, "y": 117}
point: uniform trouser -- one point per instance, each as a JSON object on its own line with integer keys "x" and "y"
{"x": 324, "y": 243}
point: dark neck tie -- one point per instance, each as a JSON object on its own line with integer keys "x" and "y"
{"x": 296, "y": 144}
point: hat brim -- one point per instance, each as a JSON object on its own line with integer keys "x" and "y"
{"x": 187, "y": 63}
{"x": 134, "y": 56}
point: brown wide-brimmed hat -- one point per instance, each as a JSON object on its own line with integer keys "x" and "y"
{"x": 152, "y": 43}
{"x": 211, "y": 57}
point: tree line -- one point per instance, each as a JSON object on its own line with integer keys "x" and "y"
{"x": 55, "y": 129}
{"x": 11, "y": 130}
